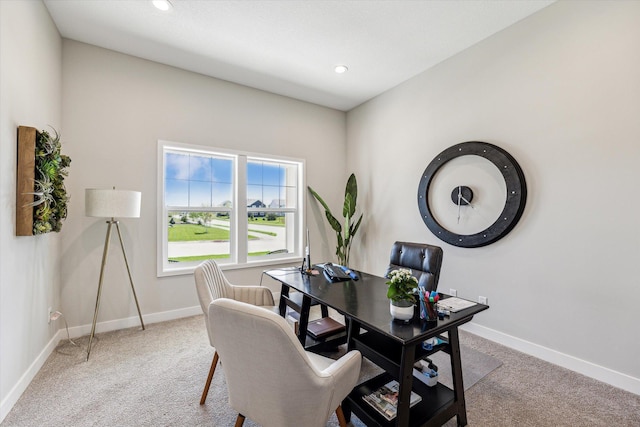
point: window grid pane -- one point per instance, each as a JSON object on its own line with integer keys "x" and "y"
{"x": 197, "y": 180}
{"x": 198, "y": 183}
{"x": 272, "y": 184}
{"x": 269, "y": 233}
{"x": 196, "y": 236}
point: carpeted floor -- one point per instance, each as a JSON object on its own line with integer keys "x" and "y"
{"x": 155, "y": 377}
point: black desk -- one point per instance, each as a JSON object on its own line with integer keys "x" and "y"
{"x": 393, "y": 346}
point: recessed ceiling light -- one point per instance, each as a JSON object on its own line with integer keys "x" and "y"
{"x": 341, "y": 69}
{"x": 163, "y": 5}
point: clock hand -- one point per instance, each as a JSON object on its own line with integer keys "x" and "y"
{"x": 459, "y": 197}
{"x": 468, "y": 202}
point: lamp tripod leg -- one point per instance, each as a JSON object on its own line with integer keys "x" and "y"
{"x": 129, "y": 272}
{"x": 104, "y": 262}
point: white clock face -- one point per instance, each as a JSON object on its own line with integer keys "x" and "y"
{"x": 489, "y": 194}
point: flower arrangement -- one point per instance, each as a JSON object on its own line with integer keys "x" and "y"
{"x": 50, "y": 194}
{"x": 402, "y": 285}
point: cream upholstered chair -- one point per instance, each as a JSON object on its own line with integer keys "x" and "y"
{"x": 271, "y": 379}
{"x": 211, "y": 284}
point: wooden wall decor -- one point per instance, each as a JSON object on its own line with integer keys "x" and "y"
{"x": 41, "y": 197}
{"x": 25, "y": 180}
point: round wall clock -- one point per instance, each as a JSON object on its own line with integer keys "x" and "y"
{"x": 472, "y": 194}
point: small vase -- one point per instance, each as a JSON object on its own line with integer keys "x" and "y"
{"x": 401, "y": 310}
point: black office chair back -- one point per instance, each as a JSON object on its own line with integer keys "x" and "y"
{"x": 423, "y": 260}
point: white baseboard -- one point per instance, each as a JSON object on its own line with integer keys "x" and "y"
{"x": 10, "y": 400}
{"x": 24, "y": 381}
{"x": 133, "y": 321}
{"x": 600, "y": 373}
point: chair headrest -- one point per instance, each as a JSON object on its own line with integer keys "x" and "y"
{"x": 422, "y": 259}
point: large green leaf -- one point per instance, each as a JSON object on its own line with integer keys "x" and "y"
{"x": 349, "y": 207}
{"x": 355, "y": 228}
{"x": 335, "y": 224}
{"x": 351, "y": 194}
{"x": 319, "y": 199}
{"x": 352, "y": 187}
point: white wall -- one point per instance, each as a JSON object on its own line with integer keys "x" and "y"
{"x": 558, "y": 90}
{"x": 115, "y": 109}
{"x": 30, "y": 95}
{"x": 561, "y": 92}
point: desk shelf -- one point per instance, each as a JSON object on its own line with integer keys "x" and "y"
{"x": 387, "y": 353}
{"x": 327, "y": 343}
{"x": 436, "y": 407}
{"x": 438, "y": 403}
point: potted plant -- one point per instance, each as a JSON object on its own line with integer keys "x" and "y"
{"x": 401, "y": 294}
{"x": 345, "y": 236}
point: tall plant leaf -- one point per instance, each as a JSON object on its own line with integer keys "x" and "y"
{"x": 344, "y": 235}
{"x": 355, "y": 228}
{"x": 335, "y": 224}
{"x": 351, "y": 193}
{"x": 319, "y": 199}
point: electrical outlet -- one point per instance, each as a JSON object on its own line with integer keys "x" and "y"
{"x": 483, "y": 300}
{"x": 453, "y": 292}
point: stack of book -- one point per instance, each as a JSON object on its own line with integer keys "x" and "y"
{"x": 385, "y": 399}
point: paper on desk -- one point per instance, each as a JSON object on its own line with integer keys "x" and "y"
{"x": 455, "y": 304}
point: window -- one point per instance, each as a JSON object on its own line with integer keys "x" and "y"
{"x": 238, "y": 208}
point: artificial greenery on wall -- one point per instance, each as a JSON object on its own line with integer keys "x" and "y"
{"x": 50, "y": 195}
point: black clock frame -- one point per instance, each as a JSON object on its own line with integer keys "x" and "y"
{"x": 514, "y": 204}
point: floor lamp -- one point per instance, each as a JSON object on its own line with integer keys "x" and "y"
{"x": 111, "y": 204}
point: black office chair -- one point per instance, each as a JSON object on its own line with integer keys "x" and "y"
{"x": 423, "y": 260}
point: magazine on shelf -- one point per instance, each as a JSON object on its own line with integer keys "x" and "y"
{"x": 385, "y": 399}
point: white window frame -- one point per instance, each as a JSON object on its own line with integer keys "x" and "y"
{"x": 238, "y": 238}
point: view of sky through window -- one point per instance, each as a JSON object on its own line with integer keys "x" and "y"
{"x": 195, "y": 180}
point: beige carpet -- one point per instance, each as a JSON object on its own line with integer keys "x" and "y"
{"x": 155, "y": 377}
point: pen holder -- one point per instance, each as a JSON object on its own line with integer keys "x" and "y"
{"x": 430, "y": 312}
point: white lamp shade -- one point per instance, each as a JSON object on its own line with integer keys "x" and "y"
{"x": 112, "y": 203}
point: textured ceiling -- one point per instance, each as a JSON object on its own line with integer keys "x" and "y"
{"x": 291, "y": 47}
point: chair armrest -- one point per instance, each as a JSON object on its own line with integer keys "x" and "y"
{"x": 256, "y": 295}
{"x": 345, "y": 372}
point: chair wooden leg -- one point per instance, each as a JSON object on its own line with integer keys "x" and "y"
{"x": 209, "y": 378}
{"x": 342, "y": 422}
{"x": 239, "y": 420}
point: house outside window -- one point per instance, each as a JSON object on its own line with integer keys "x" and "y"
{"x": 241, "y": 209}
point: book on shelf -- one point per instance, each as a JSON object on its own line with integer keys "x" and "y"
{"x": 318, "y": 328}
{"x": 385, "y": 399}
{"x": 323, "y": 327}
